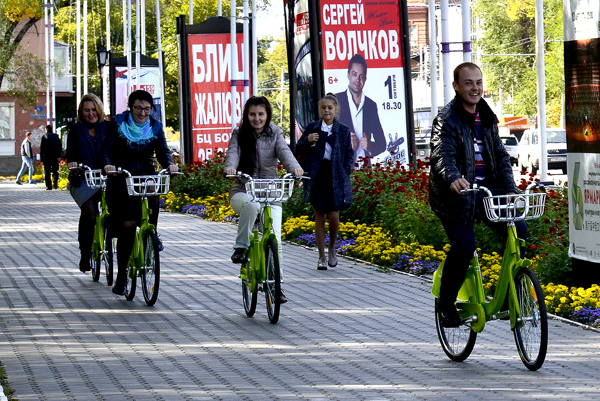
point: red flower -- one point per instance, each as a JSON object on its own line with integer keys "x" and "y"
{"x": 532, "y": 246}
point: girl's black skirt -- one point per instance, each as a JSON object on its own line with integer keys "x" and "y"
{"x": 321, "y": 195}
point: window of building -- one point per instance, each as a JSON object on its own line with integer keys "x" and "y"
{"x": 7, "y": 120}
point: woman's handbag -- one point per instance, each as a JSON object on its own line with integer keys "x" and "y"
{"x": 75, "y": 177}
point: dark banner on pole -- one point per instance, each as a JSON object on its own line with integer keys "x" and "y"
{"x": 363, "y": 65}
{"x": 358, "y": 51}
{"x": 582, "y": 110}
{"x": 147, "y": 78}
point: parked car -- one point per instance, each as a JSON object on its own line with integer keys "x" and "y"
{"x": 530, "y": 150}
{"x": 511, "y": 143}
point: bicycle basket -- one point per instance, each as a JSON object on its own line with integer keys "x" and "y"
{"x": 503, "y": 208}
{"x": 147, "y": 185}
{"x": 270, "y": 190}
{"x": 95, "y": 179}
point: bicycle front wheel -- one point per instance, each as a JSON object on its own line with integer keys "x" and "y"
{"x": 95, "y": 261}
{"x": 108, "y": 255}
{"x": 531, "y": 329}
{"x": 151, "y": 270}
{"x": 130, "y": 282}
{"x": 273, "y": 281}
{"x": 248, "y": 296}
{"x": 457, "y": 342}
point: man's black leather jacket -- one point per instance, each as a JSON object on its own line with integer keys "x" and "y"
{"x": 453, "y": 156}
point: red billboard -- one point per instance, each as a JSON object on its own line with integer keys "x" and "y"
{"x": 210, "y": 74}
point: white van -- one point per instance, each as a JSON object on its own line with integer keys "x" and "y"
{"x": 511, "y": 143}
{"x": 530, "y": 150}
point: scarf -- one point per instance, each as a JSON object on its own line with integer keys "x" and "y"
{"x": 134, "y": 132}
{"x": 89, "y": 146}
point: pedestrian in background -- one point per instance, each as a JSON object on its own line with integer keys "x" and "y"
{"x": 326, "y": 152}
{"x": 84, "y": 145}
{"x": 27, "y": 158}
{"x": 50, "y": 153}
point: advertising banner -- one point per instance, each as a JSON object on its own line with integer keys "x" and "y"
{"x": 301, "y": 67}
{"x": 149, "y": 80}
{"x": 362, "y": 63}
{"x": 582, "y": 98}
{"x": 210, "y": 85}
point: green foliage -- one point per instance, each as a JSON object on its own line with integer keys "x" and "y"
{"x": 22, "y": 70}
{"x": 508, "y": 27}
{"x": 270, "y": 81}
{"x": 202, "y": 179}
{"x": 28, "y": 75}
{"x": 392, "y": 197}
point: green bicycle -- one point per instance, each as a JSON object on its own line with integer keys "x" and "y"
{"x": 102, "y": 245}
{"x": 145, "y": 260}
{"x": 261, "y": 271}
{"x": 527, "y": 309}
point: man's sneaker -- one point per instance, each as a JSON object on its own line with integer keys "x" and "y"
{"x": 160, "y": 246}
{"x": 282, "y": 298}
{"x": 332, "y": 258}
{"x": 239, "y": 255}
{"x": 18, "y": 182}
{"x": 322, "y": 264}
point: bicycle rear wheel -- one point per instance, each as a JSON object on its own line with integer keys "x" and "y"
{"x": 150, "y": 272}
{"x": 531, "y": 330}
{"x": 248, "y": 297}
{"x": 108, "y": 255}
{"x": 457, "y": 342}
{"x": 273, "y": 281}
{"x": 130, "y": 282}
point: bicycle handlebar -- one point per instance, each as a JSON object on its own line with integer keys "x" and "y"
{"x": 537, "y": 184}
{"x": 164, "y": 171}
{"x": 81, "y": 167}
{"x": 239, "y": 174}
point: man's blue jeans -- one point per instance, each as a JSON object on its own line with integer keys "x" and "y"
{"x": 27, "y": 163}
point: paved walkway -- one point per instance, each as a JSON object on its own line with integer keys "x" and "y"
{"x": 349, "y": 333}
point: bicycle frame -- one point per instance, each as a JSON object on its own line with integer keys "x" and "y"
{"x": 472, "y": 303}
{"x": 256, "y": 252}
{"x": 137, "y": 254}
{"x": 100, "y": 224}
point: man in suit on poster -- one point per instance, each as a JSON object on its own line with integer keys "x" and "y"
{"x": 359, "y": 113}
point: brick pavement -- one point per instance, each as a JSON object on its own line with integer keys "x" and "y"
{"x": 348, "y": 333}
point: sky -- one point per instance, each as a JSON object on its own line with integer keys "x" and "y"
{"x": 271, "y": 22}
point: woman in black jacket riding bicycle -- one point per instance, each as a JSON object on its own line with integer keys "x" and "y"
{"x": 133, "y": 138}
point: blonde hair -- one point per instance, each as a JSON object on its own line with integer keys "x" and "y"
{"x": 90, "y": 97}
{"x": 331, "y": 97}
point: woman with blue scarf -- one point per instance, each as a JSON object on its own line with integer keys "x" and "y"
{"x": 133, "y": 138}
{"x": 84, "y": 144}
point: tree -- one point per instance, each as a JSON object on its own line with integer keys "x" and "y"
{"x": 509, "y": 28}
{"x": 24, "y": 72}
{"x": 269, "y": 81}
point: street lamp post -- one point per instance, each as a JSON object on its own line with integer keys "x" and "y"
{"x": 102, "y": 54}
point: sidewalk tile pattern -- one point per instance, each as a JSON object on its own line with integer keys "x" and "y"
{"x": 348, "y": 333}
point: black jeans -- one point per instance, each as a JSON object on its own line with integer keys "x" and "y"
{"x": 87, "y": 221}
{"x": 51, "y": 173}
{"x": 463, "y": 246}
